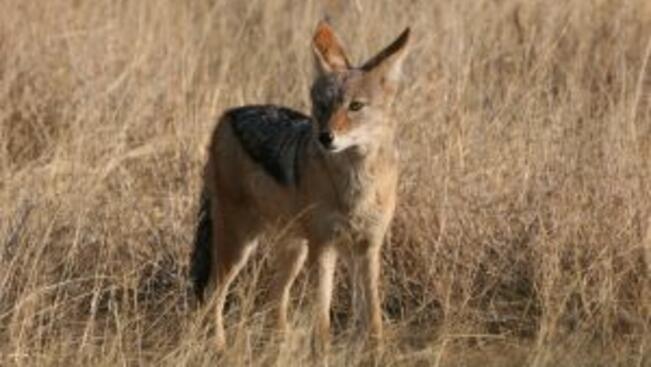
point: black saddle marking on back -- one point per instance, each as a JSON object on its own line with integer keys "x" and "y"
{"x": 274, "y": 137}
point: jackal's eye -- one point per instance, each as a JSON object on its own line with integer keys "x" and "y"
{"x": 356, "y": 105}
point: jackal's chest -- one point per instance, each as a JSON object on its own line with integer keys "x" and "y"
{"x": 361, "y": 210}
{"x": 357, "y": 229}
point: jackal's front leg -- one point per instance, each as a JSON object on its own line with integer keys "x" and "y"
{"x": 289, "y": 264}
{"x": 368, "y": 268}
{"x": 327, "y": 259}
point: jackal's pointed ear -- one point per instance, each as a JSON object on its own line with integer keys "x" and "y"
{"x": 388, "y": 62}
{"x": 328, "y": 51}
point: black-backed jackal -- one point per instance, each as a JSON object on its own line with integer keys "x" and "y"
{"x": 330, "y": 177}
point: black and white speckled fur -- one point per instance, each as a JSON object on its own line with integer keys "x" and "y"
{"x": 274, "y": 137}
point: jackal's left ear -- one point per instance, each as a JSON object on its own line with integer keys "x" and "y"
{"x": 328, "y": 50}
{"x": 388, "y": 62}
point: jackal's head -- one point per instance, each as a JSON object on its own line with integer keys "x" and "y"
{"x": 349, "y": 103}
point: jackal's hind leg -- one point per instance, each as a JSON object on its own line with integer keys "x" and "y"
{"x": 232, "y": 249}
{"x": 288, "y": 264}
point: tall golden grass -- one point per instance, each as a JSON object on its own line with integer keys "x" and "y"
{"x": 525, "y": 135}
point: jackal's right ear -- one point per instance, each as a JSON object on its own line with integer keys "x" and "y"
{"x": 328, "y": 51}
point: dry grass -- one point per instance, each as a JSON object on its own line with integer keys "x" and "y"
{"x": 525, "y": 191}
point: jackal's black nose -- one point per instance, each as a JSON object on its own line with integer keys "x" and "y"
{"x": 326, "y": 138}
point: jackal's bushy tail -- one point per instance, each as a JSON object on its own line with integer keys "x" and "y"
{"x": 201, "y": 260}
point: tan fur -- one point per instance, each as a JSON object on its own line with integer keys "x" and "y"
{"x": 342, "y": 206}
{"x": 341, "y": 122}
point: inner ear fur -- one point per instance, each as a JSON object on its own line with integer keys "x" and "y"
{"x": 328, "y": 49}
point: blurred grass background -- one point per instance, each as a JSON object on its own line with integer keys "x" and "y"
{"x": 521, "y": 233}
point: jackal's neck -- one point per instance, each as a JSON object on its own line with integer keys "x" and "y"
{"x": 351, "y": 176}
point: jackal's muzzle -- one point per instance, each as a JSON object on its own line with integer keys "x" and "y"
{"x": 326, "y": 138}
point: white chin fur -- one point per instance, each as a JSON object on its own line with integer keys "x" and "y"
{"x": 349, "y": 143}
{"x": 343, "y": 143}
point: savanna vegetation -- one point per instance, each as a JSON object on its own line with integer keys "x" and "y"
{"x": 525, "y": 192}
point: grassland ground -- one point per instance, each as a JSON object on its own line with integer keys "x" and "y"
{"x": 522, "y": 231}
